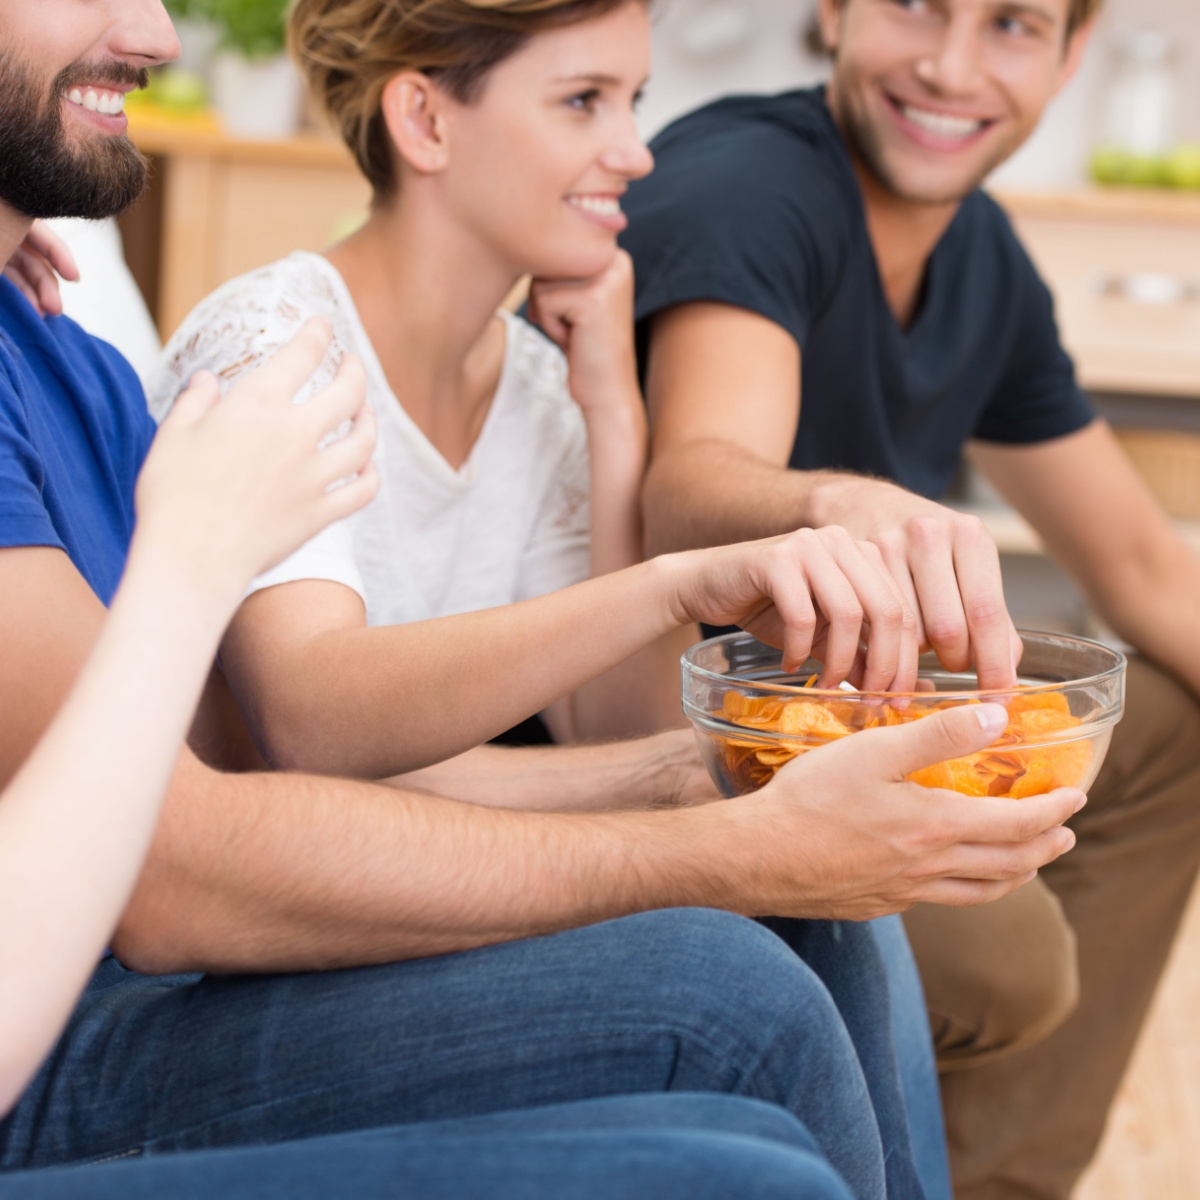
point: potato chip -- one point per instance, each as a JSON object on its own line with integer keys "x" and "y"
{"x": 1028, "y": 758}
{"x": 807, "y": 718}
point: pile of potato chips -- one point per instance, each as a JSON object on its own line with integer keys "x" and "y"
{"x": 1018, "y": 764}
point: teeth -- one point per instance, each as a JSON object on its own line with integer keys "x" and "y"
{"x": 608, "y": 206}
{"x": 106, "y": 103}
{"x": 940, "y": 123}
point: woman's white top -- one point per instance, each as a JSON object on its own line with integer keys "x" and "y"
{"x": 509, "y": 524}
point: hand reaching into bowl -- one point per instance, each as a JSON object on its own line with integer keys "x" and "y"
{"x": 814, "y": 592}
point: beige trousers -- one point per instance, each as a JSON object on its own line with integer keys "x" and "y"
{"x": 1036, "y": 1001}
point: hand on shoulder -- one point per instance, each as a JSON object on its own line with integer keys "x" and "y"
{"x": 36, "y": 266}
{"x": 231, "y": 486}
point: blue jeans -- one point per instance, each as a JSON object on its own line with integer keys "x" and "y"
{"x": 678, "y": 1000}
{"x": 652, "y": 1147}
{"x": 915, "y": 1060}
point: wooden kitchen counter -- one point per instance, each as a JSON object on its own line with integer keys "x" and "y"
{"x": 1143, "y": 205}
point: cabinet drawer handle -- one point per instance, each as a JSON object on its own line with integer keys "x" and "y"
{"x": 1152, "y": 289}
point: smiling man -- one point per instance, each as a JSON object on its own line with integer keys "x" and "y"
{"x": 829, "y": 311}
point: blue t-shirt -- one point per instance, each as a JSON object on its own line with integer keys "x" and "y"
{"x": 754, "y": 202}
{"x": 74, "y": 431}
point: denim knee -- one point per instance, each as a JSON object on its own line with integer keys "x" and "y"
{"x": 726, "y": 985}
{"x": 722, "y": 1167}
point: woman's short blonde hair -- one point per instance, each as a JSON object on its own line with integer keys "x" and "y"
{"x": 347, "y": 51}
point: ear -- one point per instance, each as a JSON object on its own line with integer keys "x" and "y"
{"x": 1073, "y": 53}
{"x": 413, "y": 110}
{"x": 829, "y": 14}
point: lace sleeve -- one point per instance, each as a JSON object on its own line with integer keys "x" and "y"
{"x": 240, "y": 326}
{"x": 234, "y": 332}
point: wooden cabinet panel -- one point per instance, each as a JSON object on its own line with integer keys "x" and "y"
{"x": 229, "y": 206}
{"x": 263, "y": 213}
{"x": 1127, "y": 288}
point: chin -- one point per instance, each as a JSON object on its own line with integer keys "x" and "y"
{"x": 915, "y": 183}
{"x": 577, "y": 265}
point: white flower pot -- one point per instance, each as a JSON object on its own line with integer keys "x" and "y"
{"x": 256, "y": 98}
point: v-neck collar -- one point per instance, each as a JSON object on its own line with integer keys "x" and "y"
{"x": 464, "y": 475}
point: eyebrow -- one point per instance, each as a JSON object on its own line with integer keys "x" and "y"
{"x": 1028, "y": 10}
{"x": 586, "y": 77}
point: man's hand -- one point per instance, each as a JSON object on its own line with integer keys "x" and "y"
{"x": 36, "y": 265}
{"x": 816, "y": 591}
{"x": 945, "y": 564}
{"x": 719, "y": 473}
{"x": 840, "y": 834}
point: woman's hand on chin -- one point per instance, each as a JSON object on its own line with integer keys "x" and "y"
{"x": 591, "y": 321}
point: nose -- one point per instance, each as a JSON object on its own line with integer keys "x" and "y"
{"x": 630, "y": 158}
{"x": 952, "y": 63}
{"x": 142, "y": 33}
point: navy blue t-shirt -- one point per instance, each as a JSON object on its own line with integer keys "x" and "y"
{"x": 74, "y": 431}
{"x": 754, "y": 203}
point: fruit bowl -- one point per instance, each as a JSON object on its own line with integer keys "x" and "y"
{"x": 750, "y": 716}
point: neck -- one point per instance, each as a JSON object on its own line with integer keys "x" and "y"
{"x": 13, "y": 228}
{"x": 903, "y": 232}
{"x": 903, "y": 236}
{"x": 425, "y": 292}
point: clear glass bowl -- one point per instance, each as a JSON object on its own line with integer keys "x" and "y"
{"x": 750, "y": 716}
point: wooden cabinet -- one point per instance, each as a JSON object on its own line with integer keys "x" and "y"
{"x": 221, "y": 206}
{"x": 1124, "y": 267}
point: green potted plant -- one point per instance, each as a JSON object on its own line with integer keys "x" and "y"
{"x": 255, "y": 88}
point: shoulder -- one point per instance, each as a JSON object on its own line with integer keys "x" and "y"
{"x": 56, "y": 353}
{"x": 244, "y": 321}
{"x": 753, "y": 203}
{"x": 745, "y": 154}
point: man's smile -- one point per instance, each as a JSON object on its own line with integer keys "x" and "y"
{"x": 98, "y": 100}
{"x": 936, "y": 128}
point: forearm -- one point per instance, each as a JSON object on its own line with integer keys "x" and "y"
{"x": 377, "y": 702}
{"x": 1151, "y": 603}
{"x": 617, "y": 467}
{"x": 711, "y": 493}
{"x": 282, "y": 873}
{"x": 77, "y": 818}
{"x": 663, "y": 771}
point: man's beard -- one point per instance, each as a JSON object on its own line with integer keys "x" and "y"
{"x": 41, "y": 173}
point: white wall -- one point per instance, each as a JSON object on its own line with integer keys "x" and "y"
{"x": 770, "y": 57}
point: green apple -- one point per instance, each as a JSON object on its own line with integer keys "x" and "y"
{"x": 1145, "y": 170}
{"x": 1181, "y": 168}
{"x": 178, "y": 90}
{"x": 1111, "y": 164}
